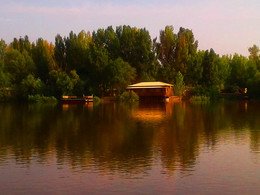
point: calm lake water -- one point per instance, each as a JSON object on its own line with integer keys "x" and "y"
{"x": 150, "y": 148}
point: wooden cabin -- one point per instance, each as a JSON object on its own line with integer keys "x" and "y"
{"x": 152, "y": 89}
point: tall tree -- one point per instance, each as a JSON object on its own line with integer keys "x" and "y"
{"x": 179, "y": 86}
{"x": 135, "y": 48}
{"x": 209, "y": 64}
{"x": 238, "y": 65}
{"x": 186, "y": 48}
{"x": 2, "y": 49}
{"x": 22, "y": 45}
{"x": 60, "y": 52}
{"x": 97, "y": 61}
{"x": 224, "y": 71}
{"x": 76, "y": 50}
{"x": 194, "y": 69}
{"x": 109, "y": 40}
{"x": 4, "y": 83}
{"x": 4, "y": 77}
{"x": 167, "y": 45}
{"x": 18, "y": 65}
{"x": 43, "y": 56}
{"x": 255, "y": 55}
{"x": 119, "y": 74}
{"x": 215, "y": 70}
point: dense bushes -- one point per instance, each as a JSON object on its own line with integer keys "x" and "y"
{"x": 231, "y": 89}
{"x": 4, "y": 95}
{"x": 96, "y": 100}
{"x": 41, "y": 99}
{"x": 200, "y": 99}
{"x": 201, "y": 91}
{"x": 129, "y": 97}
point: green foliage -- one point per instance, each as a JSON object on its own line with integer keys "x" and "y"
{"x": 238, "y": 75}
{"x": 96, "y": 100}
{"x": 4, "y": 84}
{"x": 76, "y": 49}
{"x": 135, "y": 48}
{"x": 216, "y": 70}
{"x": 231, "y": 89}
{"x": 186, "y": 48}
{"x": 2, "y": 49}
{"x": 167, "y": 46}
{"x": 41, "y": 99}
{"x": 255, "y": 55}
{"x": 166, "y": 74}
{"x": 22, "y": 45}
{"x": 209, "y": 64}
{"x": 200, "y": 99}
{"x": 31, "y": 86}
{"x": 128, "y": 97}
{"x": 60, "y": 52}
{"x": 111, "y": 59}
{"x": 254, "y": 85}
{"x": 60, "y": 83}
{"x": 194, "y": 69}
{"x": 146, "y": 77}
{"x": 212, "y": 93}
{"x": 178, "y": 53}
{"x": 18, "y": 65}
{"x": 5, "y": 94}
{"x": 95, "y": 76}
{"x": 108, "y": 39}
{"x": 119, "y": 74}
{"x": 179, "y": 86}
{"x": 4, "y": 77}
{"x": 43, "y": 56}
{"x": 131, "y": 44}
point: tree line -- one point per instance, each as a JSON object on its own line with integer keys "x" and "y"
{"x": 110, "y": 59}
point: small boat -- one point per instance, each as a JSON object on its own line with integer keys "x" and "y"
{"x": 76, "y": 99}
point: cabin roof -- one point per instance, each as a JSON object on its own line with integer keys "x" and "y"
{"x": 141, "y": 85}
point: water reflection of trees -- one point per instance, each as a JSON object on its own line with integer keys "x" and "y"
{"x": 103, "y": 137}
{"x": 117, "y": 138}
{"x": 193, "y": 127}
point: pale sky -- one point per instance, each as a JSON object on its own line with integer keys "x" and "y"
{"x": 227, "y": 26}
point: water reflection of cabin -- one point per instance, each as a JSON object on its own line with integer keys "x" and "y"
{"x": 152, "y": 89}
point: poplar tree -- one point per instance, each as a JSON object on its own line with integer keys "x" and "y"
{"x": 179, "y": 86}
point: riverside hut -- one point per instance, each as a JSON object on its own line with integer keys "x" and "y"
{"x": 152, "y": 89}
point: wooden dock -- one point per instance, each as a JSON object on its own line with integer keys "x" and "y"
{"x": 76, "y": 99}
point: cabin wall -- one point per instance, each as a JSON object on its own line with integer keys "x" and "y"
{"x": 154, "y": 92}
{"x": 169, "y": 92}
